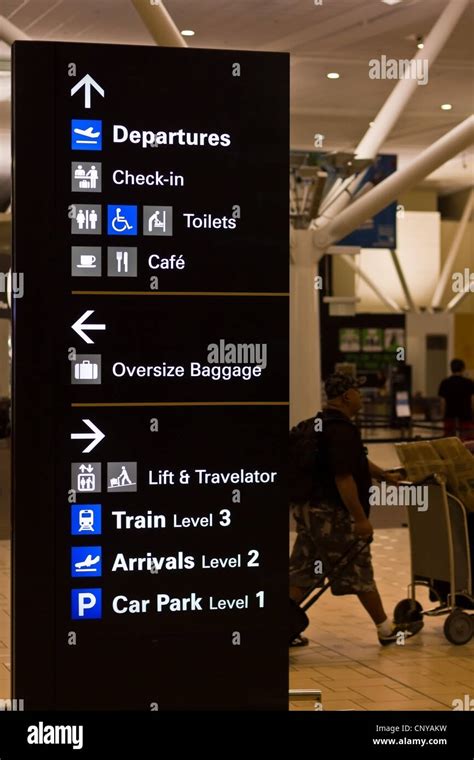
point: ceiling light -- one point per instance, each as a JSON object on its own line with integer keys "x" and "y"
{"x": 371, "y": 123}
{"x": 333, "y": 75}
{"x": 419, "y": 43}
{"x": 446, "y": 107}
{"x": 188, "y": 33}
{"x": 391, "y": 2}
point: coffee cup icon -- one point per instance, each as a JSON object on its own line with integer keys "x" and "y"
{"x": 87, "y": 261}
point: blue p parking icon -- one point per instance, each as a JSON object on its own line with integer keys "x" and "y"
{"x": 86, "y": 604}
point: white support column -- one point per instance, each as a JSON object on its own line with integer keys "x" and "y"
{"x": 159, "y": 23}
{"x": 305, "y": 369}
{"x": 368, "y": 147}
{"x": 9, "y": 33}
{"x": 453, "y": 252}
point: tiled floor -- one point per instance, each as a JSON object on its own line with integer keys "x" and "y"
{"x": 345, "y": 661}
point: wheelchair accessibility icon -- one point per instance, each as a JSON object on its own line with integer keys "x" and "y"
{"x": 122, "y": 220}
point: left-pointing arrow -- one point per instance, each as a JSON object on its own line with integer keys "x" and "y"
{"x": 79, "y": 327}
{"x": 96, "y": 436}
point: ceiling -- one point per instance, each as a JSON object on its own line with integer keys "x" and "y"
{"x": 336, "y": 35}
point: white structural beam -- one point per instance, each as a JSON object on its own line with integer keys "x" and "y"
{"x": 159, "y": 23}
{"x": 393, "y": 305}
{"x": 404, "y": 89}
{"x": 453, "y": 252}
{"x": 387, "y": 191}
{"x": 458, "y": 298}
{"x": 342, "y": 192}
{"x": 403, "y": 282}
{"x": 305, "y": 356}
{"x": 9, "y": 33}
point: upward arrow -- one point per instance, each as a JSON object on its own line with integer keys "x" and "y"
{"x": 88, "y": 83}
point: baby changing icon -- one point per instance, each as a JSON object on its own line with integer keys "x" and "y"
{"x": 121, "y": 476}
{"x": 158, "y": 220}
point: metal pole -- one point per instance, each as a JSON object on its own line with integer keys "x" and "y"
{"x": 364, "y": 208}
{"x": 9, "y": 32}
{"x": 453, "y": 252}
{"x": 403, "y": 282}
{"x": 159, "y": 23}
{"x": 393, "y": 305}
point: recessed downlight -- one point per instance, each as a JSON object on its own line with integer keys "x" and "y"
{"x": 333, "y": 75}
{"x": 446, "y": 107}
{"x": 188, "y": 33}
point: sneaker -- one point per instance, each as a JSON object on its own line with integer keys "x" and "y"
{"x": 299, "y": 641}
{"x": 407, "y": 629}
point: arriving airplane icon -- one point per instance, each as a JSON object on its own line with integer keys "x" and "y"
{"x": 86, "y": 565}
{"x": 86, "y": 560}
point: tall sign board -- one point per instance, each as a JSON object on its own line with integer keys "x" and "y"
{"x": 150, "y": 378}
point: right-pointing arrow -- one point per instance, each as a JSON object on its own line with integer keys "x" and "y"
{"x": 79, "y": 327}
{"x": 95, "y": 436}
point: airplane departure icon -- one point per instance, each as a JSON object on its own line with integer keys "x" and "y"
{"x": 86, "y": 134}
{"x": 89, "y": 133}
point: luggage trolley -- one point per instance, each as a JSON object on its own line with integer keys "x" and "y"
{"x": 439, "y": 544}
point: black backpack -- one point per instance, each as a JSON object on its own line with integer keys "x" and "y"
{"x": 303, "y": 455}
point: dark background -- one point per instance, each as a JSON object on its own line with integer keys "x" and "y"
{"x": 181, "y": 661}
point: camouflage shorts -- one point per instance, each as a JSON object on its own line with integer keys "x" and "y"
{"x": 324, "y": 533}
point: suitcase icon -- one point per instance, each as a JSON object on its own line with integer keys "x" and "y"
{"x": 86, "y": 370}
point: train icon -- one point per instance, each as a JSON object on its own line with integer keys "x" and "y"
{"x": 86, "y": 519}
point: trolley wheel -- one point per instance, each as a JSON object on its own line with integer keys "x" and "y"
{"x": 407, "y": 611}
{"x": 458, "y": 627}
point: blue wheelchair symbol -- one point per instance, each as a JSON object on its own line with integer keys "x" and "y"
{"x": 121, "y": 220}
